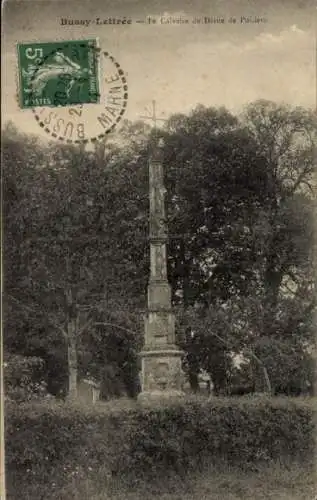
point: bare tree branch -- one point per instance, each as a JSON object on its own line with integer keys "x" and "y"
{"x": 85, "y": 325}
{"x": 106, "y": 323}
{"x": 58, "y": 326}
{"x": 265, "y": 373}
{"x": 26, "y": 308}
{"x": 299, "y": 180}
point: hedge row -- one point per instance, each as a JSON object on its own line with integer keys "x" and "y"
{"x": 48, "y": 442}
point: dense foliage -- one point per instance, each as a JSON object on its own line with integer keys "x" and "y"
{"x": 49, "y": 445}
{"x": 24, "y": 378}
{"x": 241, "y": 248}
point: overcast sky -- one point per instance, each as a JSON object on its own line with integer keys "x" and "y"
{"x": 179, "y": 66}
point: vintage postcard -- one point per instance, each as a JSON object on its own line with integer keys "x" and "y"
{"x": 158, "y": 249}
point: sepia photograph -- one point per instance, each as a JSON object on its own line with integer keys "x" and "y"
{"x": 158, "y": 250}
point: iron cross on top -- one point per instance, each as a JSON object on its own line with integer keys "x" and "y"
{"x": 154, "y": 119}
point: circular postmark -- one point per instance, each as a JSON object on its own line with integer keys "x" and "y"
{"x": 77, "y": 92}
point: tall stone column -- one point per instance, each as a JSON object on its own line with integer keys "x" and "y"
{"x": 161, "y": 359}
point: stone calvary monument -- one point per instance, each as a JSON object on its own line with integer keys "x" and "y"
{"x": 161, "y": 359}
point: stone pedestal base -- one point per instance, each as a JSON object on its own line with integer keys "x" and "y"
{"x": 162, "y": 375}
{"x": 147, "y": 396}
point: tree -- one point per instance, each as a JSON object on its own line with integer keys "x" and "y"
{"x": 241, "y": 210}
{"x": 241, "y": 247}
{"x": 72, "y": 252}
{"x": 286, "y": 137}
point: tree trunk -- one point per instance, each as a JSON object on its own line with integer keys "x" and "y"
{"x": 193, "y": 365}
{"x": 193, "y": 381}
{"x": 272, "y": 283}
{"x": 72, "y": 360}
{"x": 266, "y": 379}
{"x": 273, "y": 274}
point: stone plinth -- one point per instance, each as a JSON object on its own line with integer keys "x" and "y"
{"x": 159, "y": 329}
{"x": 159, "y": 295}
{"x": 162, "y": 375}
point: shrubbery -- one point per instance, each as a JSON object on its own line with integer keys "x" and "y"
{"x": 49, "y": 443}
{"x": 24, "y": 377}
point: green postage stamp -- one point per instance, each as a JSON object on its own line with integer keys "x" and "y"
{"x": 58, "y": 73}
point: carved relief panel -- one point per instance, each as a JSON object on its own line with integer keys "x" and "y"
{"x": 158, "y": 261}
{"x": 162, "y": 374}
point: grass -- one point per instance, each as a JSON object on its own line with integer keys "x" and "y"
{"x": 272, "y": 482}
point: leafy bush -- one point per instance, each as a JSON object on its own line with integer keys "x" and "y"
{"x": 50, "y": 444}
{"x": 24, "y": 377}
